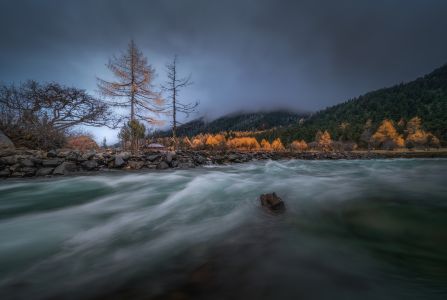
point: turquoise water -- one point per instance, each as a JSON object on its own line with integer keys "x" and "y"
{"x": 373, "y": 229}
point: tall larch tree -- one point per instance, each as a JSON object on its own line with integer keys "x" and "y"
{"x": 133, "y": 88}
{"x": 173, "y": 86}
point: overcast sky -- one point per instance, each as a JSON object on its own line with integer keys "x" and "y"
{"x": 243, "y": 55}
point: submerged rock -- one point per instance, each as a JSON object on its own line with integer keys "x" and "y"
{"x": 272, "y": 203}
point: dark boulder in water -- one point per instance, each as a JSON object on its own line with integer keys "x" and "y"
{"x": 272, "y": 203}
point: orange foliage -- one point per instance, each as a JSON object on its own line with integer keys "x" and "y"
{"x": 387, "y": 137}
{"x": 197, "y": 143}
{"x": 246, "y": 143}
{"x": 323, "y": 140}
{"x": 82, "y": 142}
{"x": 277, "y": 145}
{"x": 215, "y": 141}
{"x": 417, "y": 138}
{"x": 298, "y": 145}
{"x": 266, "y": 145}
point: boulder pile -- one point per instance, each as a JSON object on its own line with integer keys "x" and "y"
{"x": 28, "y": 163}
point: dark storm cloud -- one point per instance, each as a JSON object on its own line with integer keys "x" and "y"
{"x": 242, "y": 54}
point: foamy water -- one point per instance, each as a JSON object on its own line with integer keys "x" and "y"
{"x": 371, "y": 229}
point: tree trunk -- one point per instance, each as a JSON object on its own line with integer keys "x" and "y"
{"x": 132, "y": 96}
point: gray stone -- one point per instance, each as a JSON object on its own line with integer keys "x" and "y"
{"x": 63, "y": 153}
{"x": 89, "y": 164}
{"x": 14, "y": 168}
{"x": 44, "y": 171}
{"x": 88, "y": 155}
{"x": 65, "y": 168}
{"x": 163, "y": 165}
{"x": 4, "y": 173}
{"x": 153, "y": 157}
{"x": 124, "y": 155}
{"x": 199, "y": 159}
{"x": 73, "y": 155}
{"x": 18, "y": 174}
{"x": 119, "y": 161}
{"x": 51, "y": 154}
{"x": 27, "y": 163}
{"x": 170, "y": 156}
{"x": 9, "y": 160}
{"x": 52, "y": 162}
{"x": 174, "y": 164}
{"x": 6, "y": 152}
{"x": 136, "y": 165}
{"x": 28, "y": 171}
{"x": 5, "y": 142}
{"x": 36, "y": 160}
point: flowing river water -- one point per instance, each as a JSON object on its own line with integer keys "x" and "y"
{"x": 352, "y": 229}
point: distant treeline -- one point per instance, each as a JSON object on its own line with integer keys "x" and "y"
{"x": 425, "y": 97}
{"x": 249, "y": 121}
{"x": 409, "y": 134}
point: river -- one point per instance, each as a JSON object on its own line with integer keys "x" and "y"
{"x": 352, "y": 229}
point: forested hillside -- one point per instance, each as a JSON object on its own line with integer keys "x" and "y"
{"x": 255, "y": 121}
{"x": 425, "y": 97}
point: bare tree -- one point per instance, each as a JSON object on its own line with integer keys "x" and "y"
{"x": 133, "y": 88}
{"x": 173, "y": 86}
{"x": 38, "y": 115}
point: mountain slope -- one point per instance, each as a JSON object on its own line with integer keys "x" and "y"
{"x": 425, "y": 97}
{"x": 253, "y": 121}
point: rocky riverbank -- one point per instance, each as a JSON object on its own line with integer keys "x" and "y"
{"x": 19, "y": 163}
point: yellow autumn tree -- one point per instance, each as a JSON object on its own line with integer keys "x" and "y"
{"x": 198, "y": 142}
{"x": 265, "y": 145}
{"x": 277, "y": 145}
{"x": 215, "y": 141}
{"x": 211, "y": 142}
{"x": 323, "y": 140}
{"x": 386, "y": 136}
{"x": 417, "y": 137}
{"x": 243, "y": 143}
{"x": 298, "y": 145}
